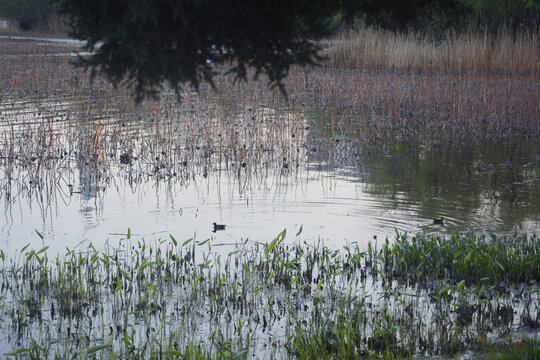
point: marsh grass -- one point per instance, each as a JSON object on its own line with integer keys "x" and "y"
{"x": 196, "y": 300}
{"x": 467, "y": 257}
{"x": 360, "y": 105}
{"x": 472, "y": 51}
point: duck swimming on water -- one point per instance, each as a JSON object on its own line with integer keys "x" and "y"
{"x": 439, "y": 221}
{"x": 218, "y": 227}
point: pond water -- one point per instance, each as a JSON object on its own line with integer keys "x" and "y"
{"x": 77, "y": 178}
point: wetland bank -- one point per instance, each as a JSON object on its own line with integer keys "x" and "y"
{"x": 107, "y": 242}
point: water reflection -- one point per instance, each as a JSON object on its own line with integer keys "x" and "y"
{"x": 481, "y": 186}
{"x": 255, "y": 170}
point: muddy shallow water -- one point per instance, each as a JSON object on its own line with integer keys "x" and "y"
{"x": 75, "y": 176}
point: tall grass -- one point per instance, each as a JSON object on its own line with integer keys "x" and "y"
{"x": 469, "y": 51}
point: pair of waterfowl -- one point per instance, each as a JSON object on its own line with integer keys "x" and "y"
{"x": 436, "y": 221}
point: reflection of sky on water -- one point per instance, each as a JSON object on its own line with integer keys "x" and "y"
{"x": 327, "y": 207}
{"x": 336, "y": 190}
{"x": 330, "y": 205}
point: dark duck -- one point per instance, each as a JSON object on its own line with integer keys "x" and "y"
{"x": 438, "y": 221}
{"x": 218, "y": 227}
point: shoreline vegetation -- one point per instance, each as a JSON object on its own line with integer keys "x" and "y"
{"x": 371, "y": 104}
{"x": 418, "y": 296}
{"x": 479, "y": 51}
{"x": 474, "y": 51}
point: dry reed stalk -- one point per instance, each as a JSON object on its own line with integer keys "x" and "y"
{"x": 369, "y": 48}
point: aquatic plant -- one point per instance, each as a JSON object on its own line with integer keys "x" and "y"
{"x": 466, "y": 256}
{"x": 282, "y": 300}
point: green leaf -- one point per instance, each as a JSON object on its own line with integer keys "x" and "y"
{"x": 39, "y": 234}
{"x": 204, "y": 242}
{"x": 43, "y": 249}
{"x": 126, "y": 275}
{"x": 242, "y": 354}
{"x": 272, "y": 245}
{"x": 97, "y": 348}
{"x": 444, "y": 290}
{"x": 299, "y": 230}
{"x": 173, "y": 240}
{"x": 174, "y": 353}
{"x": 146, "y": 264}
{"x": 20, "y": 351}
{"x": 461, "y": 285}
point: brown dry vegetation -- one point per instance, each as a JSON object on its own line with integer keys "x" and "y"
{"x": 361, "y": 104}
{"x": 369, "y": 48}
{"x": 376, "y": 104}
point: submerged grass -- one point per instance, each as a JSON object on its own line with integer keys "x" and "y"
{"x": 191, "y": 300}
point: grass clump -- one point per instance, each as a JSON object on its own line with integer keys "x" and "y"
{"x": 504, "y": 51}
{"x": 468, "y": 256}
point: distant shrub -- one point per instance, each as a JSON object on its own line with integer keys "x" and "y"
{"x": 493, "y": 15}
{"x": 27, "y": 14}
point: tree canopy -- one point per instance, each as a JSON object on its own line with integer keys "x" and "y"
{"x": 148, "y": 42}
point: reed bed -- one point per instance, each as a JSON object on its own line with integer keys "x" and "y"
{"x": 197, "y": 299}
{"x": 377, "y": 105}
{"x": 363, "y": 105}
{"x": 472, "y": 51}
{"x": 62, "y": 128}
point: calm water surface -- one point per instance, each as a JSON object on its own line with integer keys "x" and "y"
{"x": 335, "y": 189}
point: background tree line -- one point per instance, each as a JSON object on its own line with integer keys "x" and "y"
{"x": 490, "y": 15}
